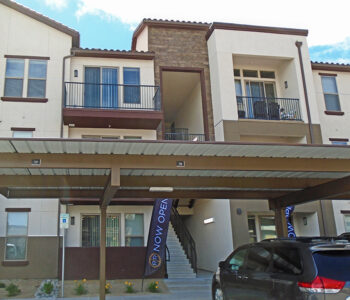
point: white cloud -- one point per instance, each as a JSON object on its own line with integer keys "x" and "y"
{"x": 338, "y": 52}
{"x": 328, "y": 22}
{"x": 56, "y": 4}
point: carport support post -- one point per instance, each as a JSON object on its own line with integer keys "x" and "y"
{"x": 103, "y": 253}
{"x": 281, "y": 223}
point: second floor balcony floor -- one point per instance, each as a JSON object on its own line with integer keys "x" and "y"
{"x": 112, "y": 105}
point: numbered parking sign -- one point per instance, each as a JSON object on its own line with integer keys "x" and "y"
{"x": 64, "y": 221}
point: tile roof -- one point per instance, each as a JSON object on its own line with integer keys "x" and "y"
{"x": 112, "y": 53}
{"x": 43, "y": 19}
{"x": 330, "y": 66}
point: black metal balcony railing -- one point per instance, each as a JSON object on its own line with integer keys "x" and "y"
{"x": 112, "y": 96}
{"x": 195, "y": 137}
{"x": 268, "y": 108}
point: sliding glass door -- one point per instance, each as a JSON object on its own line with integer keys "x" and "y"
{"x": 100, "y": 88}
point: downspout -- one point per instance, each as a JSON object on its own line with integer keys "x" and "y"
{"x": 299, "y": 44}
{"x": 63, "y": 88}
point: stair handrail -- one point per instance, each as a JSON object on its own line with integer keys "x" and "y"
{"x": 185, "y": 238}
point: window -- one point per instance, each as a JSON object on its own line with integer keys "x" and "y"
{"x": 261, "y": 228}
{"x": 250, "y": 73}
{"x": 237, "y": 72}
{"x": 330, "y": 92}
{"x": 16, "y": 240}
{"x": 101, "y": 87}
{"x": 22, "y": 134}
{"x": 339, "y": 143}
{"x": 37, "y": 78}
{"x": 236, "y": 262}
{"x": 91, "y": 231}
{"x": 131, "y": 93}
{"x": 286, "y": 260}
{"x": 267, "y": 228}
{"x": 15, "y": 76}
{"x": 132, "y": 138}
{"x": 258, "y": 259}
{"x": 252, "y": 229}
{"x": 347, "y": 223}
{"x": 267, "y": 74}
{"x": 134, "y": 232}
{"x": 98, "y": 137}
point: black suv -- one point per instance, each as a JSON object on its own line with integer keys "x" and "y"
{"x": 301, "y": 268}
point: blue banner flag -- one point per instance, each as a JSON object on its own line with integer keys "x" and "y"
{"x": 158, "y": 231}
{"x": 290, "y": 227}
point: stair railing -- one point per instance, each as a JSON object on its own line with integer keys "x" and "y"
{"x": 167, "y": 258}
{"x": 185, "y": 238}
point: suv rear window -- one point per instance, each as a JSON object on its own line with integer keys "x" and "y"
{"x": 333, "y": 264}
{"x": 286, "y": 260}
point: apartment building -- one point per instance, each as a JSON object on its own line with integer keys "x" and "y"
{"x": 182, "y": 82}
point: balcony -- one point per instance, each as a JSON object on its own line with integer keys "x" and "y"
{"x": 112, "y": 106}
{"x": 262, "y": 108}
{"x": 181, "y": 134}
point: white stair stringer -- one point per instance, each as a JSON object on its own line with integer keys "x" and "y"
{"x": 179, "y": 265}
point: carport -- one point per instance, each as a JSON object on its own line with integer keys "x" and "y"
{"x": 101, "y": 171}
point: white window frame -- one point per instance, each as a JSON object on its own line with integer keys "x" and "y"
{"x": 133, "y": 236}
{"x": 337, "y": 93}
{"x": 26, "y": 77}
{"x": 17, "y": 236}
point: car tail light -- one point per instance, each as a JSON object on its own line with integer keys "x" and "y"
{"x": 322, "y": 285}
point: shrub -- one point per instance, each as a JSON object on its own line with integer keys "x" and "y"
{"x": 80, "y": 288}
{"x": 108, "y": 287}
{"x": 2, "y": 285}
{"x": 129, "y": 287}
{"x": 48, "y": 288}
{"x": 153, "y": 287}
{"x": 12, "y": 290}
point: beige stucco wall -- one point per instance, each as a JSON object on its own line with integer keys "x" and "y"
{"x": 334, "y": 126}
{"x": 240, "y": 221}
{"x": 223, "y": 45}
{"x": 142, "y": 40}
{"x": 22, "y": 35}
{"x": 42, "y": 219}
{"x": 74, "y": 231}
{"x": 338, "y": 206}
{"x": 190, "y": 114}
{"x": 77, "y": 133}
{"x": 214, "y": 240}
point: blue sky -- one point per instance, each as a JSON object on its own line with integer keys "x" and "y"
{"x": 110, "y": 23}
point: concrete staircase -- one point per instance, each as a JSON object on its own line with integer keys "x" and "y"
{"x": 179, "y": 265}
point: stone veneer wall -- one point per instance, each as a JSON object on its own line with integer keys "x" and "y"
{"x": 176, "y": 47}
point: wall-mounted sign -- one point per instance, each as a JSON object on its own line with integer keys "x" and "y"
{"x": 64, "y": 221}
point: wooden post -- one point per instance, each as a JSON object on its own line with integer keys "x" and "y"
{"x": 103, "y": 253}
{"x": 281, "y": 223}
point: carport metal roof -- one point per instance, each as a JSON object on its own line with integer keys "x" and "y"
{"x": 84, "y": 169}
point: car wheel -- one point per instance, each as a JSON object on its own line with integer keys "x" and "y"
{"x": 218, "y": 294}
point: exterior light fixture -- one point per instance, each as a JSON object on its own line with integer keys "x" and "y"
{"x": 208, "y": 221}
{"x": 165, "y": 189}
{"x": 36, "y": 162}
{"x": 286, "y": 84}
{"x": 180, "y": 164}
{"x": 76, "y": 73}
{"x": 71, "y": 125}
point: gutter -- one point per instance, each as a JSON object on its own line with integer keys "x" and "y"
{"x": 63, "y": 88}
{"x": 298, "y": 44}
